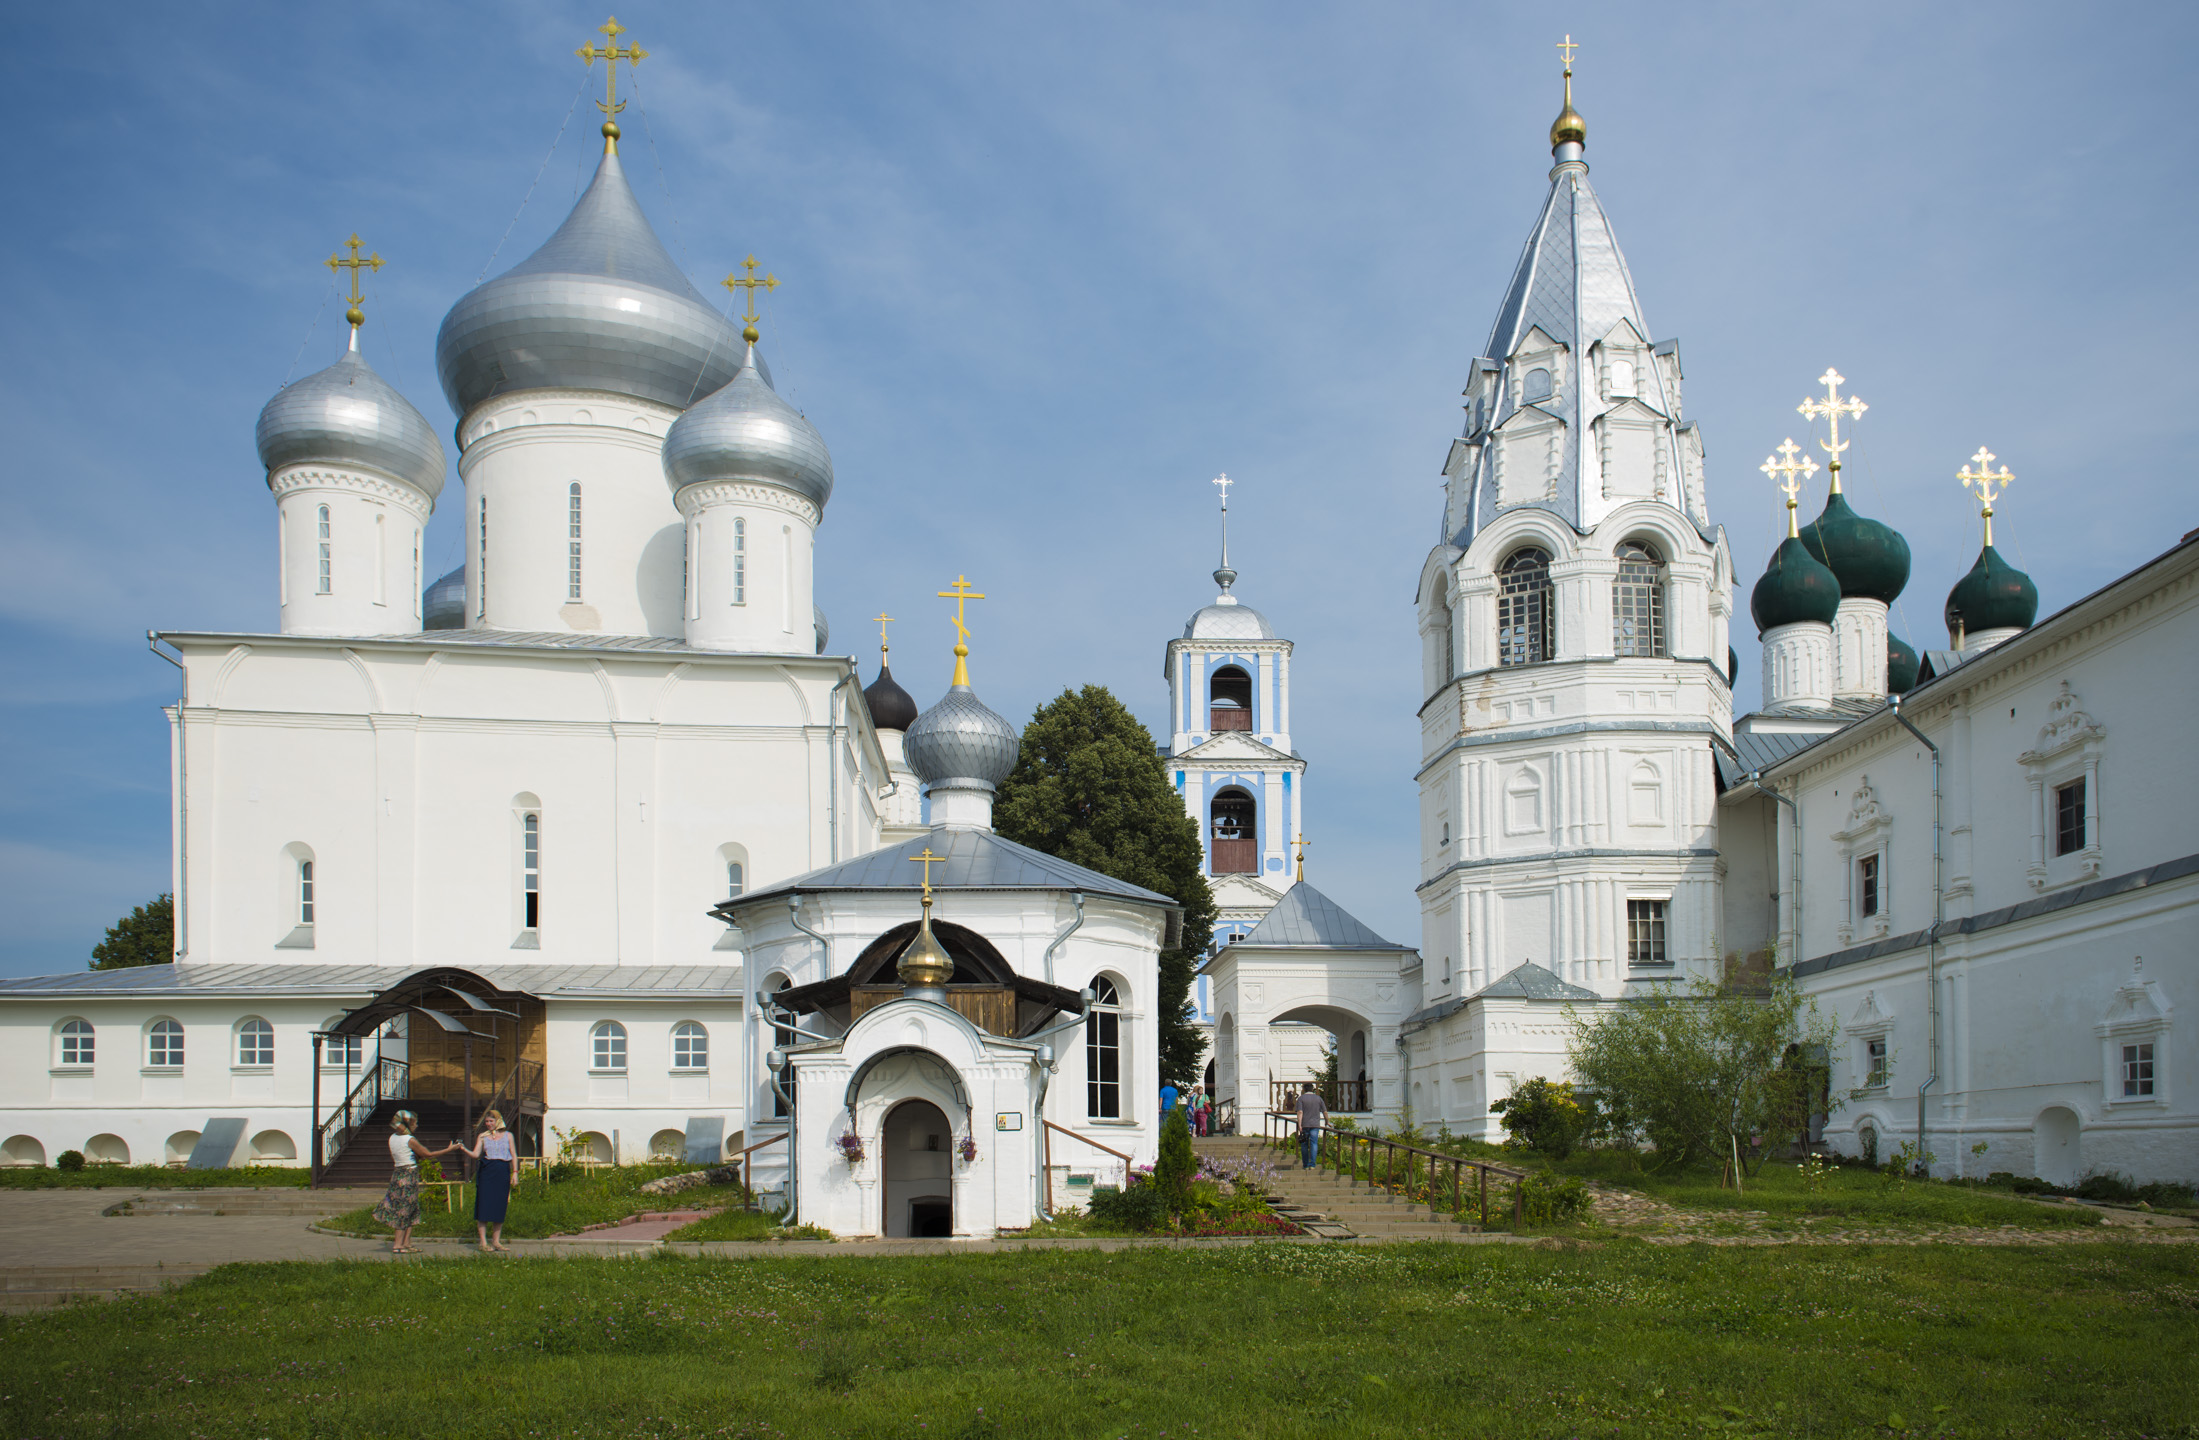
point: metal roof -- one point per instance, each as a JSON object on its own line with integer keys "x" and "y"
{"x": 973, "y": 860}
{"x": 1530, "y": 981}
{"x": 1305, "y": 919}
{"x": 549, "y": 982}
{"x": 504, "y": 639}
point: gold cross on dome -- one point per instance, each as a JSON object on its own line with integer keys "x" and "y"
{"x": 751, "y": 284}
{"x": 355, "y": 262}
{"x": 1832, "y": 407}
{"x": 1566, "y": 47}
{"x": 960, "y": 594}
{"x": 927, "y": 860}
{"x": 1985, "y": 483}
{"x": 883, "y": 620}
{"x": 1301, "y": 843}
{"x": 1783, "y": 468}
{"x": 611, "y": 54}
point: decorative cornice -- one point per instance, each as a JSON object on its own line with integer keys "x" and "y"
{"x": 703, "y": 494}
{"x": 296, "y": 479}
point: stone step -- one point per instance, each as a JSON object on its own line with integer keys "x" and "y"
{"x": 40, "y": 1287}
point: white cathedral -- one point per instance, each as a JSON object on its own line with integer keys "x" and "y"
{"x": 594, "y": 831}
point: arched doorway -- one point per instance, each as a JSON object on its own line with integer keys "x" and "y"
{"x": 1229, "y": 699}
{"x": 1233, "y": 837}
{"x": 2056, "y": 1146}
{"x": 916, "y": 1172}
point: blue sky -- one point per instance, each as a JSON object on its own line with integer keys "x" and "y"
{"x": 1045, "y": 271}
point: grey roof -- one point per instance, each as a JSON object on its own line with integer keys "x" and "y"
{"x": 961, "y": 742}
{"x": 1931, "y": 664}
{"x": 1305, "y": 919}
{"x": 744, "y": 431}
{"x": 348, "y": 415}
{"x": 505, "y": 639}
{"x": 443, "y": 604}
{"x": 1529, "y": 981}
{"x": 974, "y": 860}
{"x": 1754, "y": 751}
{"x": 343, "y": 981}
{"x": 600, "y": 306}
{"x": 1228, "y": 619}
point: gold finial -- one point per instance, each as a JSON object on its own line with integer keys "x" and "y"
{"x": 959, "y": 595}
{"x": 1985, "y": 483}
{"x": 1785, "y": 470}
{"x": 751, "y": 284}
{"x": 1832, "y": 407}
{"x": 1568, "y": 127}
{"x": 1301, "y": 843}
{"x": 884, "y": 620}
{"x": 611, "y": 54}
{"x": 355, "y": 262}
{"x": 925, "y": 963}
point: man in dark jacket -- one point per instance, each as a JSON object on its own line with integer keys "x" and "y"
{"x": 1312, "y": 1115}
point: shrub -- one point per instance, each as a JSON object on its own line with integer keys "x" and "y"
{"x": 1545, "y": 1198}
{"x": 1543, "y": 1116}
{"x": 1172, "y": 1172}
{"x": 1141, "y": 1207}
{"x": 69, "y": 1160}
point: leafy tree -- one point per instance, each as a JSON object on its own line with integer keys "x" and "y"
{"x": 1543, "y": 1116}
{"x": 1089, "y": 788}
{"x": 1709, "y": 1072}
{"x": 145, "y": 936}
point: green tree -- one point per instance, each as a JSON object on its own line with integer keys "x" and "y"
{"x": 145, "y": 936}
{"x": 1710, "y": 1072}
{"x": 1544, "y": 1117}
{"x": 1176, "y": 1163}
{"x": 1089, "y": 788}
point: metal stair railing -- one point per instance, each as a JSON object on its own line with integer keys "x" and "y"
{"x": 384, "y": 1080}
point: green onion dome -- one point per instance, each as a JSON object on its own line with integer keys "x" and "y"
{"x": 1870, "y": 560}
{"x": 1901, "y": 666}
{"x": 1795, "y": 588}
{"x": 1995, "y": 595}
{"x": 1733, "y": 666}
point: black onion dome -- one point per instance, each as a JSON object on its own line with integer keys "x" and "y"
{"x": 1995, "y": 595}
{"x": 891, "y": 707}
{"x": 1901, "y": 666}
{"x": 1870, "y": 560}
{"x": 1794, "y": 588}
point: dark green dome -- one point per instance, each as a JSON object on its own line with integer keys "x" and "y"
{"x": 1901, "y": 666}
{"x": 1795, "y": 588}
{"x": 1870, "y": 560}
{"x": 1733, "y": 667}
{"x": 1995, "y": 595}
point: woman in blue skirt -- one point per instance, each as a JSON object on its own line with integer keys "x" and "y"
{"x": 492, "y": 1180}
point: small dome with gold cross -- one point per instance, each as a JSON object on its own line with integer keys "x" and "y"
{"x": 746, "y": 432}
{"x": 347, "y": 415}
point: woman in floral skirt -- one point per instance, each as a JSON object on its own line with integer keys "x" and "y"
{"x": 400, "y": 1207}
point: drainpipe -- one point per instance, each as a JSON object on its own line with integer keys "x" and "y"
{"x": 183, "y": 800}
{"x": 1794, "y": 822}
{"x": 775, "y": 1060}
{"x": 794, "y": 916}
{"x": 1044, "y": 1059}
{"x": 1063, "y": 937}
{"x": 1939, "y": 918}
{"x": 832, "y": 780}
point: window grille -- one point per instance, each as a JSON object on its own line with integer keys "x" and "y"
{"x": 1645, "y": 932}
{"x": 609, "y": 1046}
{"x": 690, "y": 1046}
{"x": 255, "y": 1043}
{"x": 1638, "y": 603}
{"x": 740, "y": 561}
{"x": 326, "y": 571}
{"x": 572, "y": 542}
{"x": 531, "y": 869}
{"x": 1103, "y": 1053}
{"x": 2069, "y": 824}
{"x": 2138, "y": 1070}
{"x": 1866, "y": 886}
{"x": 76, "y": 1042}
{"x": 1523, "y": 609}
{"x": 164, "y": 1045}
{"x": 305, "y": 892}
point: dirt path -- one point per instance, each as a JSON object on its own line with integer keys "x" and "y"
{"x": 1629, "y": 1212}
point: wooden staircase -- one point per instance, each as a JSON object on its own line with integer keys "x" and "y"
{"x": 1334, "y": 1208}
{"x": 365, "y": 1159}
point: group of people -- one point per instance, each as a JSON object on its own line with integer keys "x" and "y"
{"x": 1197, "y": 1105}
{"x": 495, "y": 1158}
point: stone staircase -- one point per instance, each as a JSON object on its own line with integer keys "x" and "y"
{"x": 365, "y": 1163}
{"x": 1337, "y": 1209}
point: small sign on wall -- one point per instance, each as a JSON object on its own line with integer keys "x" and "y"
{"x": 1008, "y": 1120}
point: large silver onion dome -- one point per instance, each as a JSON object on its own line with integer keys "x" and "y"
{"x": 746, "y": 432}
{"x": 1228, "y": 620}
{"x": 600, "y": 306}
{"x": 348, "y": 415}
{"x": 443, "y": 604}
{"x": 961, "y": 742}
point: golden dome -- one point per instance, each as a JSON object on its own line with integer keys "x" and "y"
{"x": 1568, "y": 126}
{"x": 925, "y": 963}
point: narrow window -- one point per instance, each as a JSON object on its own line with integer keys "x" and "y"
{"x": 2138, "y": 1069}
{"x": 255, "y": 1042}
{"x": 1523, "y": 609}
{"x": 2069, "y": 818}
{"x": 786, "y": 577}
{"x": 1233, "y": 839}
{"x": 381, "y": 560}
{"x": 1645, "y": 932}
{"x": 1876, "y": 1069}
{"x": 282, "y": 548}
{"x": 164, "y": 1045}
{"x": 783, "y": 1036}
{"x": 305, "y": 892}
{"x": 740, "y": 561}
{"x": 325, "y": 572}
{"x": 1103, "y": 1052}
{"x": 415, "y": 572}
{"x": 531, "y": 869}
{"x": 688, "y": 589}
{"x": 733, "y": 884}
{"x": 1448, "y": 650}
{"x": 572, "y": 542}
{"x": 610, "y": 1046}
{"x": 690, "y": 1046}
{"x": 481, "y": 609}
{"x": 1866, "y": 886}
{"x": 1445, "y": 842}
{"x": 1638, "y": 603}
{"x": 76, "y": 1042}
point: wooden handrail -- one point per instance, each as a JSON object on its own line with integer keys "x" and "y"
{"x": 1048, "y": 1157}
{"x": 1392, "y": 1148}
{"x": 748, "y": 1170}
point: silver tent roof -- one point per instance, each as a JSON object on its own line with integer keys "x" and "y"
{"x": 1305, "y": 919}
{"x": 975, "y": 860}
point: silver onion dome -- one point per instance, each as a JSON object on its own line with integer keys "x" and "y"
{"x": 348, "y": 415}
{"x": 1232, "y": 620}
{"x": 822, "y": 626}
{"x": 600, "y": 306}
{"x": 961, "y": 742}
{"x": 746, "y": 432}
{"x": 443, "y": 604}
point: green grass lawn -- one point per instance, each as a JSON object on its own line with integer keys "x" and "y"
{"x": 542, "y": 1208}
{"x": 1278, "y": 1340}
{"x": 150, "y": 1177}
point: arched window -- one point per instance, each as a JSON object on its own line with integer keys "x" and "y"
{"x": 734, "y": 857}
{"x": 572, "y": 541}
{"x": 1638, "y": 602}
{"x": 1229, "y": 699}
{"x": 1446, "y": 636}
{"x": 1233, "y": 836}
{"x": 340, "y": 1052}
{"x": 530, "y": 872}
{"x": 1622, "y": 378}
{"x": 255, "y": 1042}
{"x": 305, "y": 892}
{"x": 164, "y": 1045}
{"x": 740, "y": 561}
{"x": 1103, "y": 1052}
{"x": 381, "y": 560}
{"x": 783, "y": 1036}
{"x": 1523, "y": 608}
{"x": 1535, "y": 386}
{"x": 607, "y": 1046}
{"x": 325, "y": 570}
{"x": 690, "y": 1046}
{"x": 76, "y": 1042}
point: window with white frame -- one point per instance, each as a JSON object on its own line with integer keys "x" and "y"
{"x": 740, "y": 561}
{"x": 1638, "y": 602}
{"x": 305, "y": 892}
{"x": 2134, "y": 1042}
{"x": 572, "y": 541}
{"x": 530, "y": 870}
{"x": 76, "y": 1043}
{"x": 2069, "y": 826}
{"x": 1524, "y": 608}
{"x": 1877, "y": 1064}
{"x": 2138, "y": 1071}
{"x": 690, "y": 1046}
{"x": 255, "y": 1043}
{"x": 607, "y": 1046}
{"x": 1645, "y": 934}
{"x": 326, "y": 571}
{"x": 1864, "y": 845}
{"x": 1871, "y": 1034}
{"x": 1866, "y": 885}
{"x": 1103, "y": 1052}
{"x": 343, "y": 1052}
{"x": 2064, "y": 770}
{"x": 164, "y": 1045}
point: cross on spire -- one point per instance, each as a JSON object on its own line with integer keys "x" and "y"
{"x": 1784, "y": 468}
{"x": 610, "y": 53}
{"x": 884, "y": 620}
{"x": 1225, "y": 577}
{"x": 751, "y": 284}
{"x": 1985, "y": 483}
{"x": 927, "y": 860}
{"x": 960, "y": 594}
{"x": 1566, "y": 47}
{"x": 1301, "y": 843}
{"x": 1832, "y": 407}
{"x": 354, "y": 262}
